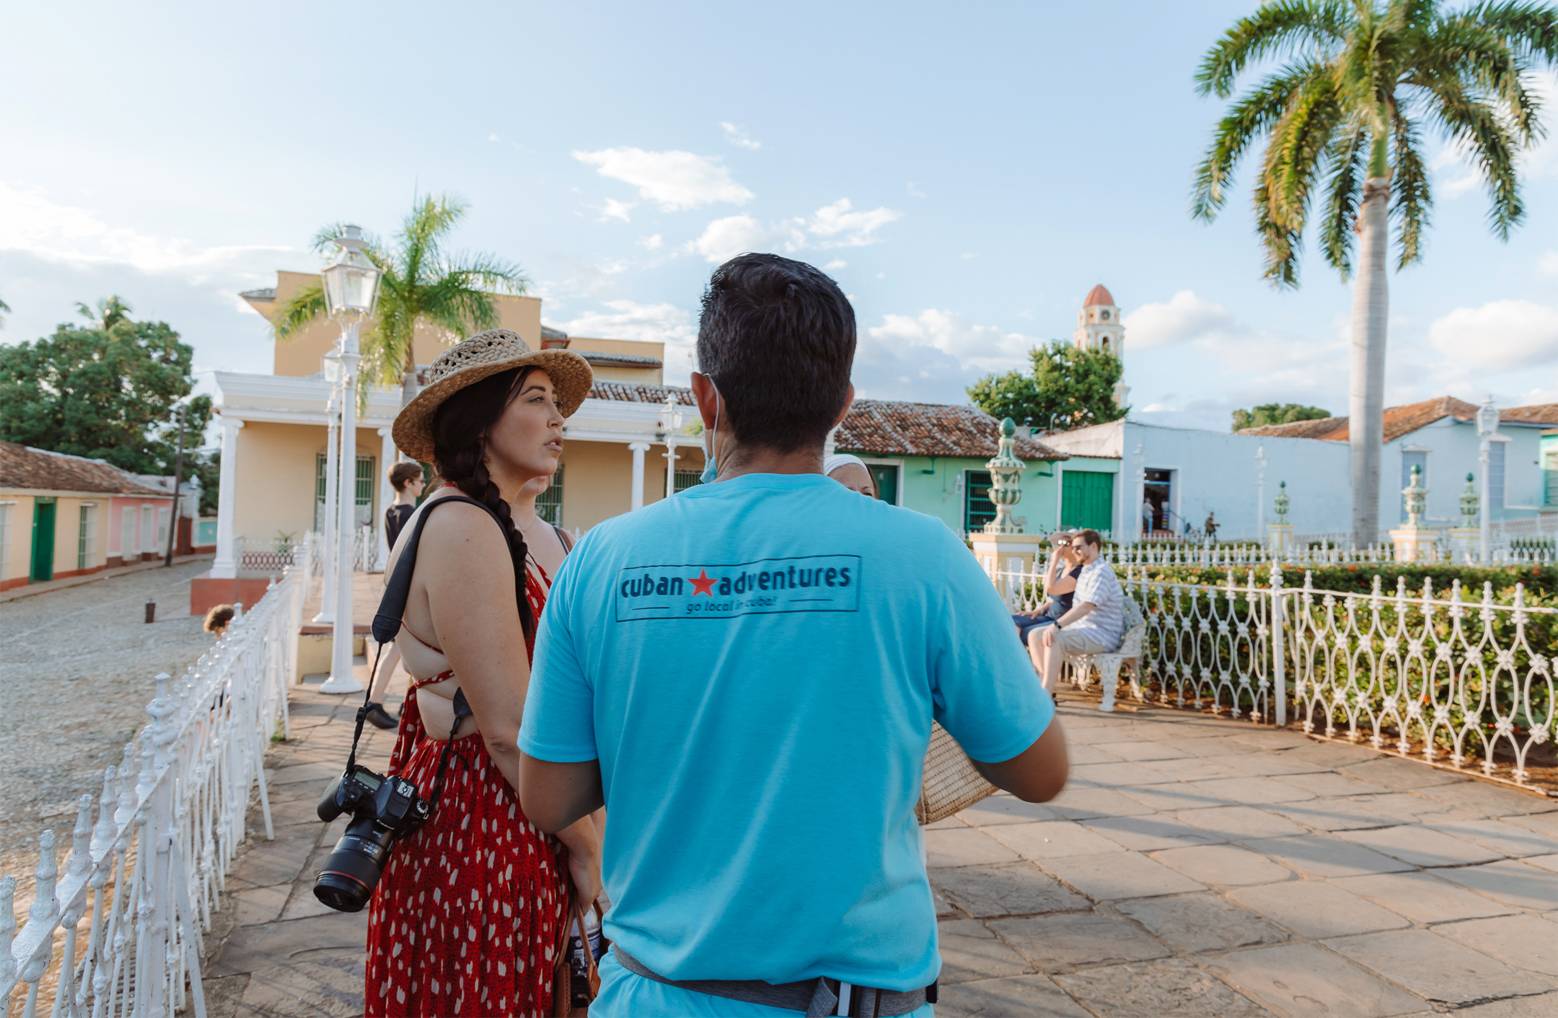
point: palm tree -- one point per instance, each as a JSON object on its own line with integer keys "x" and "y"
{"x": 421, "y": 285}
{"x": 109, "y": 312}
{"x": 4, "y": 307}
{"x": 1345, "y": 114}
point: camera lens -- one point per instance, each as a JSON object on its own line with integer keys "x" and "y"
{"x": 345, "y": 882}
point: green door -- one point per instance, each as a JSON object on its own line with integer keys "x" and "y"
{"x": 885, "y": 477}
{"x": 1087, "y": 500}
{"x": 43, "y": 540}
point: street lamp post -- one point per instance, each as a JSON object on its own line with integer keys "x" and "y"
{"x": 1487, "y": 427}
{"x": 351, "y": 285}
{"x": 1260, "y": 493}
{"x": 670, "y": 426}
{"x": 326, "y": 613}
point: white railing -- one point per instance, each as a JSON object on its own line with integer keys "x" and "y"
{"x": 266, "y": 557}
{"x": 1437, "y": 676}
{"x": 148, "y": 871}
{"x": 1245, "y": 553}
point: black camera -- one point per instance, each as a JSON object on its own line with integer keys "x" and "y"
{"x": 382, "y": 810}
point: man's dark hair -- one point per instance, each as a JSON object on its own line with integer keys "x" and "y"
{"x": 402, "y": 474}
{"x": 1091, "y": 537}
{"x": 778, "y": 338}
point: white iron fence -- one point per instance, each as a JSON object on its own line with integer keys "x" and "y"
{"x": 147, "y": 872}
{"x": 1440, "y": 676}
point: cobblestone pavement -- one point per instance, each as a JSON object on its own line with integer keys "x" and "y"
{"x": 76, "y": 672}
{"x": 1193, "y": 867}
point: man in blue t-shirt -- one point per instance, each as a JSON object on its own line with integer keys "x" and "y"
{"x": 745, "y": 676}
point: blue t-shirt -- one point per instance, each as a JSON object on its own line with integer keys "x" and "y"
{"x": 756, "y": 663}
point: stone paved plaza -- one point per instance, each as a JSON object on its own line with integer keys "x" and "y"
{"x": 1192, "y": 867}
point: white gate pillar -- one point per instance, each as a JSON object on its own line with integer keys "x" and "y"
{"x": 638, "y": 450}
{"x": 226, "y": 565}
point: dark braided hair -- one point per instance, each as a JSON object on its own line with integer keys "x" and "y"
{"x": 460, "y": 426}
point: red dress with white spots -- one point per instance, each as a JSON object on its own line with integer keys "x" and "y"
{"x": 464, "y": 919}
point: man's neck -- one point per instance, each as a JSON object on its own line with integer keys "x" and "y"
{"x": 761, "y": 460}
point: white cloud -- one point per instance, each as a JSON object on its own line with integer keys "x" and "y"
{"x": 672, "y": 180}
{"x": 738, "y": 137}
{"x": 840, "y": 224}
{"x": 982, "y": 347}
{"x": 1182, "y": 318}
{"x": 725, "y": 238}
{"x": 653, "y": 242}
{"x": 914, "y": 191}
{"x": 968, "y": 256}
{"x": 1548, "y": 263}
{"x": 836, "y": 225}
{"x": 1500, "y": 335}
{"x": 39, "y": 226}
{"x": 834, "y": 264}
{"x": 621, "y": 211}
{"x": 492, "y": 136}
{"x": 627, "y": 319}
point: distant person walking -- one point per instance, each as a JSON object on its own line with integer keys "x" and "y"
{"x": 406, "y": 479}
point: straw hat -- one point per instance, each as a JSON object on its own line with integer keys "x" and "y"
{"x": 471, "y": 360}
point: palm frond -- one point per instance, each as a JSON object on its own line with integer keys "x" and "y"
{"x": 307, "y": 305}
{"x": 1411, "y": 200}
{"x": 1530, "y": 29}
{"x": 1250, "y": 118}
{"x": 1479, "y": 56}
{"x": 421, "y": 236}
{"x": 1277, "y": 29}
{"x": 1299, "y": 142}
{"x": 1281, "y": 244}
{"x": 1346, "y": 160}
{"x": 1477, "y": 128}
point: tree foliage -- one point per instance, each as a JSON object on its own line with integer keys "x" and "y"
{"x": 1065, "y": 387}
{"x": 421, "y": 284}
{"x": 1356, "y": 83}
{"x": 1277, "y": 413}
{"x": 115, "y": 389}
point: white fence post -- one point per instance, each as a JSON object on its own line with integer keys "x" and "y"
{"x": 1279, "y": 674}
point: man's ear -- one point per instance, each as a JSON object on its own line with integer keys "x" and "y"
{"x": 706, "y": 396}
{"x": 849, "y": 401}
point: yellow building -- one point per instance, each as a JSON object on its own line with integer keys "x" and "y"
{"x": 276, "y": 432}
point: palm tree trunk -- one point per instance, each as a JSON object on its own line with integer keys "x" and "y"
{"x": 408, "y": 379}
{"x": 1366, "y": 402}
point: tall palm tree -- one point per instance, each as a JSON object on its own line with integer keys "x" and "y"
{"x": 1344, "y": 114}
{"x": 421, "y": 284}
{"x": 108, "y": 312}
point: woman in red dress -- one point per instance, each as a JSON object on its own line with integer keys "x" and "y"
{"x": 465, "y": 919}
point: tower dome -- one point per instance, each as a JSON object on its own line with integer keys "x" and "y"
{"x": 1098, "y": 323}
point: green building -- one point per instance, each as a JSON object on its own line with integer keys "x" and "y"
{"x": 930, "y": 457}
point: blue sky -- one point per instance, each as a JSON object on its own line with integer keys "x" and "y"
{"x": 967, "y": 171}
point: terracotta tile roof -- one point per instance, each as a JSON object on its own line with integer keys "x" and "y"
{"x": 24, "y": 467}
{"x": 897, "y": 428}
{"x": 1399, "y": 420}
{"x": 1536, "y": 413}
{"x": 1098, "y": 295}
{"x": 627, "y": 392}
{"x": 880, "y": 427}
{"x": 620, "y": 360}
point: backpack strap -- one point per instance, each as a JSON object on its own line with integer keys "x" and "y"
{"x": 392, "y": 607}
{"x": 565, "y": 538}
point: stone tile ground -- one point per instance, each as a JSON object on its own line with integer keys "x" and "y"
{"x": 1192, "y": 867}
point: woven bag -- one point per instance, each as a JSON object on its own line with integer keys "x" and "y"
{"x": 950, "y": 782}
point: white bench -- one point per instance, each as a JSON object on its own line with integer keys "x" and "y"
{"x": 1108, "y": 666}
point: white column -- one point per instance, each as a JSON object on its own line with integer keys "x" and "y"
{"x": 1485, "y": 534}
{"x": 386, "y": 495}
{"x": 327, "y": 527}
{"x": 341, "y": 679}
{"x": 226, "y": 564}
{"x": 670, "y": 465}
{"x": 1139, "y": 489}
{"x": 638, "y": 449}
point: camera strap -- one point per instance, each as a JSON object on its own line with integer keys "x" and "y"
{"x": 387, "y": 623}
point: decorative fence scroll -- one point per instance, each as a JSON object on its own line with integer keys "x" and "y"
{"x": 145, "y": 874}
{"x": 1436, "y": 676}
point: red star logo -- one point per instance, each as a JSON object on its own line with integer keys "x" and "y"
{"x": 703, "y": 583}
